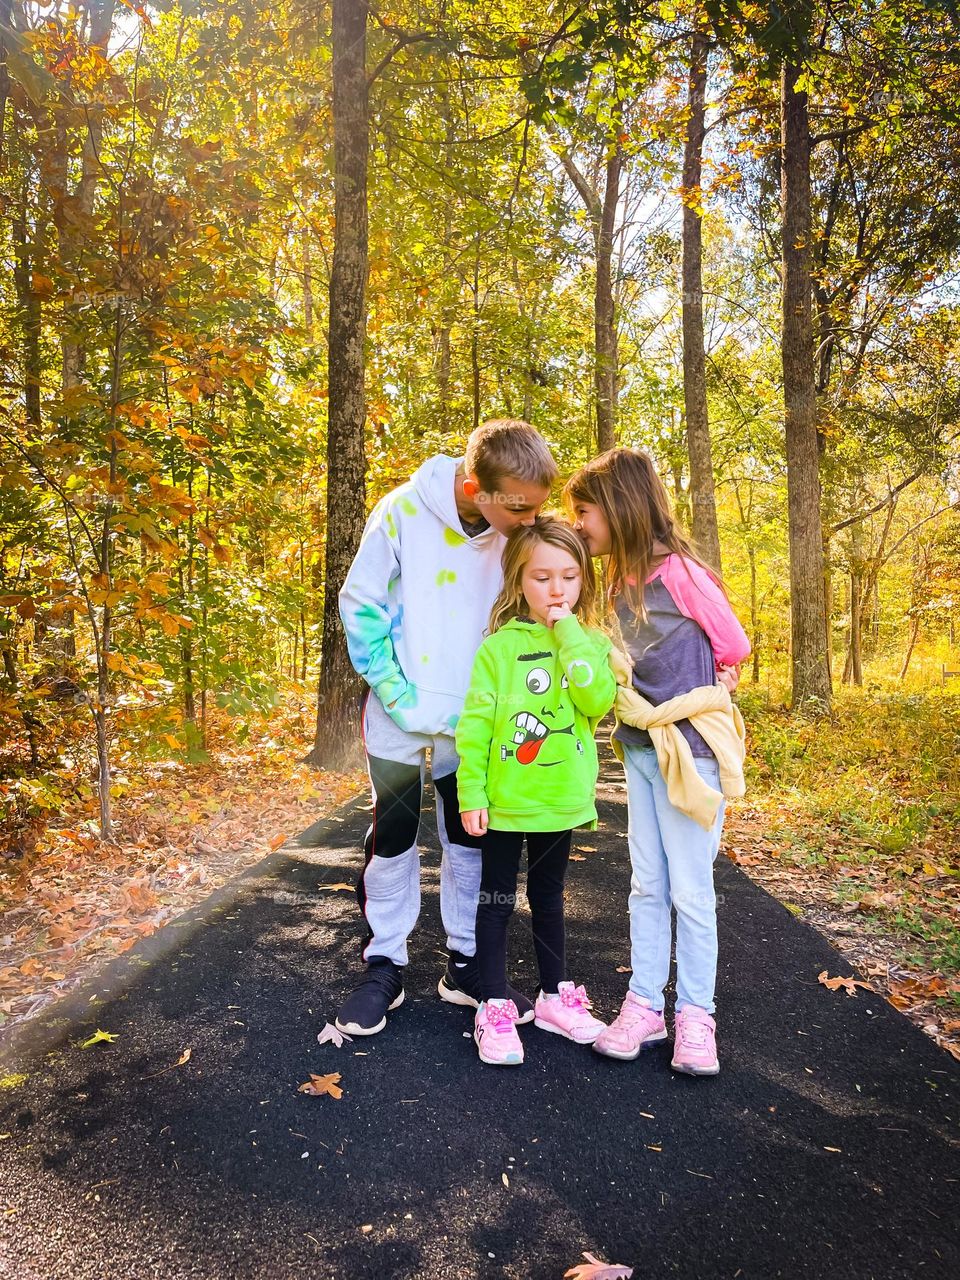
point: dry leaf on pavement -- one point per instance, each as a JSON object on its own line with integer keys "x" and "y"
{"x": 594, "y": 1269}
{"x": 99, "y": 1037}
{"x": 332, "y": 1035}
{"x": 849, "y": 984}
{"x": 319, "y": 1085}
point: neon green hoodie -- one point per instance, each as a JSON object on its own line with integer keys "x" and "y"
{"x": 525, "y": 737}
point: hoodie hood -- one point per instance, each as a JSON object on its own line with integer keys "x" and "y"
{"x": 434, "y": 482}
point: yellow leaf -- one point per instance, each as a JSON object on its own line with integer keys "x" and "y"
{"x": 333, "y": 887}
{"x": 99, "y": 1037}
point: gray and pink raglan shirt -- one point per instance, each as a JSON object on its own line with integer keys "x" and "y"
{"x": 689, "y": 629}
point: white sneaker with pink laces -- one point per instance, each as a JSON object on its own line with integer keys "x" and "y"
{"x": 636, "y": 1027}
{"x": 567, "y": 1014}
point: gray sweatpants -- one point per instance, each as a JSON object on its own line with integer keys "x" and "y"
{"x": 388, "y": 889}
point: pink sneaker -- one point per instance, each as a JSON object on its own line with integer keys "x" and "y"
{"x": 568, "y": 1014}
{"x": 694, "y": 1042}
{"x": 636, "y": 1027}
{"x": 495, "y": 1032}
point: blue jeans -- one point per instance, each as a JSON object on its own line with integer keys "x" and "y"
{"x": 672, "y": 859}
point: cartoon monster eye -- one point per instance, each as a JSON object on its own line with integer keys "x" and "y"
{"x": 538, "y": 680}
{"x": 564, "y": 682}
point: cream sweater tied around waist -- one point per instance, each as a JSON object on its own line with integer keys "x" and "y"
{"x": 712, "y": 713}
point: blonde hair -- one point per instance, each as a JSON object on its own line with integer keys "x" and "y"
{"x": 505, "y": 449}
{"x": 521, "y": 543}
{"x": 624, "y": 484}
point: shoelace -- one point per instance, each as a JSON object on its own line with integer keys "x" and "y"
{"x": 502, "y": 1016}
{"x": 575, "y": 998}
{"x": 633, "y": 1016}
{"x": 694, "y": 1033}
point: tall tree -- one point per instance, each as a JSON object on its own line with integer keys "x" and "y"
{"x": 601, "y": 207}
{"x": 346, "y": 463}
{"x": 808, "y": 620}
{"x": 702, "y": 494}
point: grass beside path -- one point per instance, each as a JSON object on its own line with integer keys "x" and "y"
{"x": 74, "y": 902}
{"x": 853, "y": 821}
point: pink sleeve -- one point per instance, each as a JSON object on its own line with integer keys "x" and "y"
{"x": 697, "y": 596}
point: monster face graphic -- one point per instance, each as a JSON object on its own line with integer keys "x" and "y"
{"x": 532, "y": 730}
{"x": 531, "y": 735}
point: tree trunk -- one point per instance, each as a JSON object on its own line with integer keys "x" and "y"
{"x": 26, "y": 260}
{"x": 475, "y": 339}
{"x": 754, "y": 615}
{"x": 853, "y": 668}
{"x": 811, "y": 672}
{"x": 702, "y": 495}
{"x": 605, "y": 321}
{"x": 306, "y": 255}
{"x": 72, "y": 230}
{"x": 338, "y": 694}
{"x": 914, "y": 632}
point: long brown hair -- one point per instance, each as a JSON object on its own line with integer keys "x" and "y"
{"x": 521, "y": 543}
{"x": 624, "y": 484}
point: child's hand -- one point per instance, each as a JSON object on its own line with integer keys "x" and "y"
{"x": 729, "y": 676}
{"x": 475, "y": 822}
{"x": 557, "y": 611}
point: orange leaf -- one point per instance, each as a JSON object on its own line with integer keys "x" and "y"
{"x": 277, "y": 841}
{"x": 319, "y": 1085}
{"x": 332, "y": 887}
{"x": 849, "y": 984}
{"x": 594, "y": 1269}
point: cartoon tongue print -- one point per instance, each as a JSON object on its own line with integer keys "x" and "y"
{"x": 530, "y": 737}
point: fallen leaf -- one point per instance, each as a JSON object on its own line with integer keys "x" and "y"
{"x": 319, "y": 1085}
{"x": 836, "y": 1150}
{"x": 624, "y": 968}
{"x": 849, "y": 984}
{"x": 597, "y": 1270}
{"x": 333, "y": 887}
{"x": 504, "y": 1179}
{"x": 277, "y": 841}
{"x": 99, "y": 1037}
{"x": 576, "y": 857}
{"x": 184, "y": 1057}
{"x": 330, "y": 1034}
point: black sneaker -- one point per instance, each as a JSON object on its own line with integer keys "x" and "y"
{"x": 380, "y": 989}
{"x": 461, "y": 985}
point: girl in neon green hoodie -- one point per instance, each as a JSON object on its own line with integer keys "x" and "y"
{"x": 528, "y": 769}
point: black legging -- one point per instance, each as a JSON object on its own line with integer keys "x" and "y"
{"x": 547, "y": 854}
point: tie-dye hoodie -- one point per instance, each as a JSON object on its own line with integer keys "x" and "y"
{"x": 417, "y": 599}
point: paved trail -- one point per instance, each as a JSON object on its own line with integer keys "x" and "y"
{"x": 827, "y": 1147}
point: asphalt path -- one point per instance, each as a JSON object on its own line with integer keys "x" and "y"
{"x": 826, "y": 1147}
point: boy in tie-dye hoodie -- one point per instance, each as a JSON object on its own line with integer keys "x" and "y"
{"x": 415, "y": 605}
